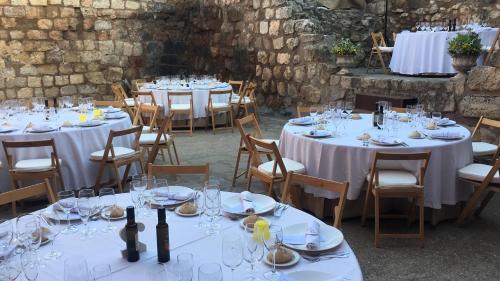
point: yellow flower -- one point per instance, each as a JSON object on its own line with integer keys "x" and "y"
{"x": 261, "y": 230}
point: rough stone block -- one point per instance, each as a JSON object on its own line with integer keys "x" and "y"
{"x": 114, "y": 74}
{"x": 38, "y": 2}
{"x": 18, "y": 2}
{"x": 61, "y": 24}
{"x": 264, "y": 27}
{"x": 76, "y": 79}
{"x": 101, "y": 4}
{"x": 274, "y": 27}
{"x": 292, "y": 43}
{"x": 44, "y": 24}
{"x": 283, "y": 58}
{"x": 87, "y": 89}
{"x": 102, "y": 25}
{"x": 67, "y": 12}
{"x": 61, "y": 80}
{"x": 14, "y": 12}
{"x": 20, "y": 82}
{"x": 284, "y": 12}
{"x": 95, "y": 77}
{"x": 25, "y": 93}
{"x": 278, "y": 43}
{"x": 35, "y": 12}
{"x": 51, "y": 92}
{"x": 132, "y": 5}
{"x": 9, "y": 22}
{"x": 484, "y": 78}
{"x": 16, "y": 35}
{"x": 269, "y": 14}
{"x": 48, "y": 81}
{"x": 34, "y": 81}
{"x": 117, "y": 4}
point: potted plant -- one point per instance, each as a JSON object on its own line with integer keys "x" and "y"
{"x": 345, "y": 51}
{"x": 464, "y": 49}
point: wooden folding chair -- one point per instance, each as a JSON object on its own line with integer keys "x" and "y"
{"x": 214, "y": 108}
{"x": 182, "y": 108}
{"x": 379, "y": 49}
{"x": 35, "y": 168}
{"x": 492, "y": 48}
{"x": 22, "y": 193}
{"x": 117, "y": 156}
{"x": 396, "y": 184}
{"x": 245, "y": 100}
{"x": 484, "y": 151}
{"x": 306, "y": 110}
{"x": 251, "y": 123}
{"x": 128, "y": 104}
{"x": 160, "y": 170}
{"x": 106, "y": 103}
{"x": 160, "y": 143}
{"x": 293, "y": 179}
{"x": 483, "y": 177}
{"x": 137, "y": 84}
{"x": 143, "y": 97}
{"x": 237, "y": 85}
{"x": 273, "y": 171}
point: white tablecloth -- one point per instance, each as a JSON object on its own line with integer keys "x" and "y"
{"x": 345, "y": 159}
{"x": 105, "y": 248}
{"x": 200, "y": 95}
{"x": 74, "y": 146}
{"x": 426, "y": 52}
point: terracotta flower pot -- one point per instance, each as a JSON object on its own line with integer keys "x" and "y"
{"x": 463, "y": 63}
{"x": 345, "y": 62}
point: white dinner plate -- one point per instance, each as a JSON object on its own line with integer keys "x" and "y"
{"x": 302, "y": 121}
{"x": 114, "y": 116}
{"x": 439, "y": 137}
{"x": 317, "y": 134}
{"x": 30, "y": 130}
{"x": 7, "y": 129}
{"x": 162, "y": 201}
{"x": 176, "y": 211}
{"x": 330, "y": 237}
{"x": 449, "y": 123}
{"x": 50, "y": 213}
{"x": 310, "y": 275}
{"x": 387, "y": 141}
{"x": 112, "y": 110}
{"x": 262, "y": 204}
{"x": 105, "y": 217}
{"x": 92, "y": 123}
{"x": 251, "y": 228}
{"x": 295, "y": 260}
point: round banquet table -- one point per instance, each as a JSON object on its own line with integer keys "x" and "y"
{"x": 200, "y": 95}
{"x": 426, "y": 52}
{"x": 344, "y": 158}
{"x": 74, "y": 146}
{"x": 185, "y": 236}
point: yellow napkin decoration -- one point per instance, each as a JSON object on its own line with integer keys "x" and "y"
{"x": 261, "y": 230}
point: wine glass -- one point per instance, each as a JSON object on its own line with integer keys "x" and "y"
{"x": 349, "y": 108}
{"x": 232, "y": 252}
{"x": 102, "y": 272}
{"x": 148, "y": 194}
{"x": 67, "y": 203}
{"x": 6, "y": 233}
{"x": 272, "y": 244}
{"x": 436, "y": 116}
{"x": 76, "y": 269}
{"x": 107, "y": 200}
{"x": 53, "y": 226}
{"x": 253, "y": 250}
{"x": 28, "y": 231}
{"x": 182, "y": 267}
{"x": 30, "y": 265}
{"x": 210, "y": 272}
{"x": 212, "y": 204}
{"x": 199, "y": 201}
{"x": 85, "y": 209}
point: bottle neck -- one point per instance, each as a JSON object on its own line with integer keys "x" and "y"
{"x": 162, "y": 218}
{"x": 130, "y": 215}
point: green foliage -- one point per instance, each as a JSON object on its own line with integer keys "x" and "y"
{"x": 345, "y": 47}
{"x": 468, "y": 44}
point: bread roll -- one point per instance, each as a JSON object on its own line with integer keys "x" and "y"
{"x": 283, "y": 255}
{"x": 188, "y": 208}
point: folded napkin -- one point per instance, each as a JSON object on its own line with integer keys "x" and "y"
{"x": 111, "y": 109}
{"x": 113, "y": 115}
{"x": 384, "y": 140}
{"x": 446, "y": 135}
{"x": 443, "y": 121}
{"x": 178, "y": 196}
{"x": 66, "y": 203}
{"x": 246, "y": 198}
{"x": 302, "y": 120}
{"x": 312, "y": 235}
{"x": 43, "y": 127}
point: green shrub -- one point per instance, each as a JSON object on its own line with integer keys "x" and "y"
{"x": 345, "y": 47}
{"x": 465, "y": 44}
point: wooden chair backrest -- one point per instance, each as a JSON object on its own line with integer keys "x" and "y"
{"x": 119, "y": 92}
{"x": 483, "y": 121}
{"x": 8, "y": 145}
{"x": 109, "y": 152}
{"x": 158, "y": 170}
{"x": 378, "y": 39}
{"x": 492, "y": 48}
{"x": 248, "y": 121}
{"x": 28, "y": 192}
{"x": 332, "y": 186}
{"x": 383, "y": 156}
{"x": 229, "y": 93}
{"x": 106, "y": 103}
{"x": 137, "y": 83}
{"x": 249, "y": 91}
{"x": 399, "y": 109}
{"x": 162, "y": 131}
{"x": 494, "y": 169}
{"x": 149, "y": 109}
{"x": 270, "y": 146}
{"x": 148, "y": 95}
{"x": 301, "y": 110}
{"x": 171, "y": 94}
{"x": 238, "y": 85}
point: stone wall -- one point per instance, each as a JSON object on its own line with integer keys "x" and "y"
{"x": 79, "y": 47}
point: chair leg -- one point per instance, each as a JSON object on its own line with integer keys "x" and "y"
{"x": 421, "y": 220}
{"x": 118, "y": 180}
{"x": 236, "y": 167}
{"x": 191, "y": 123}
{"x": 249, "y": 181}
{"x": 175, "y": 152}
{"x": 248, "y": 165}
{"x": 213, "y": 122}
{"x": 61, "y": 182}
{"x": 377, "y": 219}
{"x": 169, "y": 155}
{"x": 470, "y": 205}
{"x": 270, "y": 191}
{"x": 231, "y": 121}
{"x": 369, "y": 62}
{"x": 411, "y": 212}
{"x": 14, "y": 186}
{"x": 381, "y": 58}
{"x": 485, "y": 202}
{"x": 97, "y": 186}
{"x": 365, "y": 207}
{"x": 254, "y": 105}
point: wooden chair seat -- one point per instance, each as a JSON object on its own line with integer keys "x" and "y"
{"x": 480, "y": 148}
{"x": 130, "y": 102}
{"x": 35, "y": 165}
{"x": 290, "y": 166}
{"x": 478, "y": 172}
{"x": 120, "y": 152}
{"x": 219, "y": 105}
{"x": 244, "y": 100}
{"x": 180, "y": 106}
{"x": 389, "y": 178}
{"x": 150, "y": 138}
{"x": 384, "y": 49}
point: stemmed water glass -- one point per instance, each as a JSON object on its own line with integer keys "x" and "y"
{"x": 272, "y": 244}
{"x": 139, "y": 185}
{"x": 30, "y": 265}
{"x": 181, "y": 268}
{"x": 199, "y": 201}
{"x": 212, "y": 204}
{"x": 76, "y": 269}
{"x": 349, "y": 108}
{"x": 210, "y": 272}
{"x": 28, "y": 232}
{"x": 253, "y": 250}
{"x": 232, "y": 252}
{"x": 85, "y": 208}
{"x": 148, "y": 194}
{"x": 53, "y": 226}
{"x": 107, "y": 200}
{"x": 67, "y": 203}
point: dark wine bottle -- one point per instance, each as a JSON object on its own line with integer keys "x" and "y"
{"x": 449, "y": 25}
{"x": 131, "y": 235}
{"x": 380, "y": 119}
{"x": 162, "y": 237}
{"x": 375, "y": 115}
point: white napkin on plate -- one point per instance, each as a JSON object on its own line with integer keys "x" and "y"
{"x": 312, "y": 235}
{"x": 113, "y": 115}
{"x": 443, "y": 121}
{"x": 42, "y": 127}
{"x": 446, "y": 135}
{"x": 246, "y": 198}
{"x": 302, "y": 120}
{"x": 178, "y": 196}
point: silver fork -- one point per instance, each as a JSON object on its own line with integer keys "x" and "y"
{"x": 327, "y": 256}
